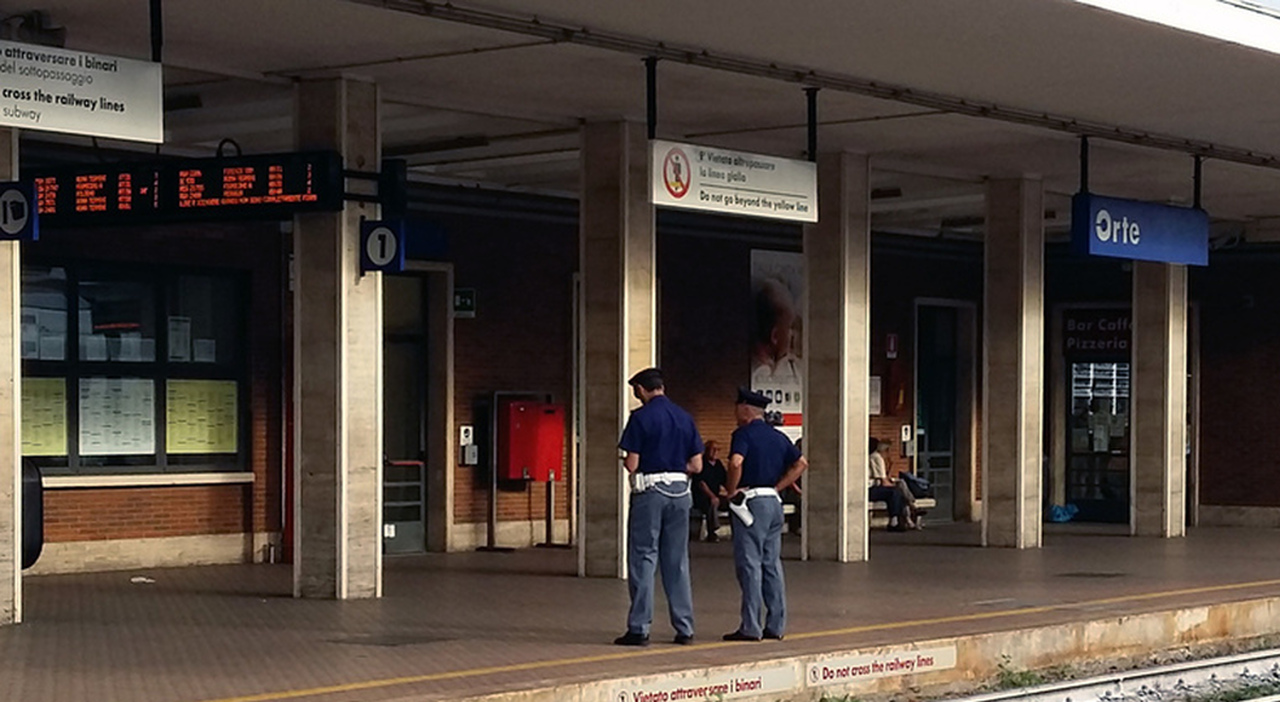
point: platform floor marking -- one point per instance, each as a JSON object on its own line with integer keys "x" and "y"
{"x": 623, "y": 655}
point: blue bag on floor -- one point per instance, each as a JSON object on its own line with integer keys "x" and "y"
{"x": 1059, "y": 514}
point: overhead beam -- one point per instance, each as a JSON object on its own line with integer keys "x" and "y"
{"x": 821, "y": 123}
{"x": 694, "y": 56}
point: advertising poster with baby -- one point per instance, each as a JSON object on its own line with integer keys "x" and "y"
{"x": 777, "y": 333}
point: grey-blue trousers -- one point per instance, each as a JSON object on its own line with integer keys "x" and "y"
{"x": 658, "y": 533}
{"x": 757, "y": 557}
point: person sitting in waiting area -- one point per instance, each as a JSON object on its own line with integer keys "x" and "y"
{"x": 708, "y": 489}
{"x": 891, "y": 492}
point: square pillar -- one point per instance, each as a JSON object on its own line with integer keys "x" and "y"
{"x": 1013, "y": 397}
{"x": 837, "y": 423}
{"x": 1159, "y": 407}
{"x": 968, "y": 508}
{"x": 618, "y": 260}
{"x": 10, "y": 406}
{"x": 337, "y": 362}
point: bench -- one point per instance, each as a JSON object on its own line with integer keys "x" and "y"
{"x": 879, "y": 512}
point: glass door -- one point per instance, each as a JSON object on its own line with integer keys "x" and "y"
{"x": 1098, "y": 445}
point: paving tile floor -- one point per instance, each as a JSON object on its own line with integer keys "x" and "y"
{"x": 461, "y": 624}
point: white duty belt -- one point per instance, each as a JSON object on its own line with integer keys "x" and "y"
{"x": 752, "y": 493}
{"x": 643, "y": 482}
{"x": 739, "y": 508}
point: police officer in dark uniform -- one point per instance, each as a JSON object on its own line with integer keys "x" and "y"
{"x": 662, "y": 448}
{"x": 762, "y": 463}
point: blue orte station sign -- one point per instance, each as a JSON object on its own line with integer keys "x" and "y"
{"x": 1143, "y": 231}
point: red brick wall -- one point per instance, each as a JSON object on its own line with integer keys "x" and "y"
{"x": 521, "y": 339}
{"x": 705, "y": 338}
{"x": 1239, "y": 381}
{"x": 139, "y": 513}
{"x": 705, "y": 286}
{"x": 118, "y": 513}
{"x": 899, "y": 277}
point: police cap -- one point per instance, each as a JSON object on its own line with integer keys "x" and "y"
{"x": 753, "y": 398}
{"x": 650, "y": 379}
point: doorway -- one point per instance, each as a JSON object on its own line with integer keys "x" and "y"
{"x": 946, "y": 406}
{"x": 935, "y": 409}
{"x": 404, "y": 416}
{"x": 1098, "y": 446}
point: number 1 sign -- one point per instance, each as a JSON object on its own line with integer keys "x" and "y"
{"x": 382, "y": 246}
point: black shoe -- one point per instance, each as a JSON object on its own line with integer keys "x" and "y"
{"x": 684, "y": 639}
{"x": 631, "y": 638}
{"x": 713, "y": 538}
{"x": 739, "y": 636}
{"x": 770, "y": 635}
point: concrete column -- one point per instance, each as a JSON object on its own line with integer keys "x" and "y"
{"x": 1059, "y": 402}
{"x": 1013, "y": 398}
{"x": 837, "y": 423}
{"x": 337, "y": 362}
{"x": 1158, "y": 413}
{"x": 967, "y": 506}
{"x": 619, "y": 272}
{"x": 10, "y": 406}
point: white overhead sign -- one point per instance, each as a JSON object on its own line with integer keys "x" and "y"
{"x": 59, "y": 90}
{"x": 733, "y": 182}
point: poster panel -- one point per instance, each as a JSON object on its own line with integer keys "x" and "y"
{"x": 777, "y": 333}
{"x": 201, "y": 416}
{"x": 117, "y": 416}
{"x": 44, "y": 417}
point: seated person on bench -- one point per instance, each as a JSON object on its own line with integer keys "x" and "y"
{"x": 708, "y": 488}
{"x": 893, "y": 493}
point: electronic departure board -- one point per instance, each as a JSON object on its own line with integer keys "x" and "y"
{"x": 273, "y": 186}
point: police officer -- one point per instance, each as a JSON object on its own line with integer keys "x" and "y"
{"x": 762, "y": 463}
{"x": 662, "y": 447}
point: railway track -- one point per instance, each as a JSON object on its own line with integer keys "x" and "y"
{"x": 1168, "y": 682}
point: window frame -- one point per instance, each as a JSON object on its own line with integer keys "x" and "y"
{"x": 160, "y": 370}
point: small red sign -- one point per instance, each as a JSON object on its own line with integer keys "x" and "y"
{"x": 676, "y": 173}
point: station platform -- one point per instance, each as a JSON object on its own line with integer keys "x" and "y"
{"x": 519, "y": 626}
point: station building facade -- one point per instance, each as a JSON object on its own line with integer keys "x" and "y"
{"x": 203, "y": 316}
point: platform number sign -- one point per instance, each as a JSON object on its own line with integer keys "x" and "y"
{"x": 382, "y": 246}
{"x": 19, "y": 219}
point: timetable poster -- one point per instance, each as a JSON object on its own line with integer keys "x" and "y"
{"x": 44, "y": 417}
{"x": 201, "y": 416}
{"x": 117, "y": 416}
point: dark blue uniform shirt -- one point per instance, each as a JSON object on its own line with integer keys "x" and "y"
{"x": 766, "y": 453}
{"x": 663, "y": 434}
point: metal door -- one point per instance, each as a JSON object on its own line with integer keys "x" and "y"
{"x": 404, "y": 408}
{"x": 937, "y": 404}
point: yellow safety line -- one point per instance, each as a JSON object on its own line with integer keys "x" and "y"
{"x": 601, "y": 658}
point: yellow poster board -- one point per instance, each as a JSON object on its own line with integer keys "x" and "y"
{"x": 44, "y": 417}
{"x": 202, "y": 416}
